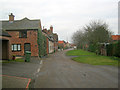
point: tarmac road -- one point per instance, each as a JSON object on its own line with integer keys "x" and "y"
{"x": 59, "y": 71}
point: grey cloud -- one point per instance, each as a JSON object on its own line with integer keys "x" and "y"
{"x": 66, "y": 16}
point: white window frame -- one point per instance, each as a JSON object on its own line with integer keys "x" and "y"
{"x": 16, "y": 47}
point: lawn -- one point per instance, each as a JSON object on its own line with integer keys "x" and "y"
{"x": 16, "y": 60}
{"x": 79, "y": 53}
{"x": 91, "y": 58}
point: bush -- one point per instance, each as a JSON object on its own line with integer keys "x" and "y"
{"x": 42, "y": 44}
{"x": 109, "y": 49}
{"x": 113, "y": 49}
{"x": 93, "y": 48}
{"x": 116, "y": 49}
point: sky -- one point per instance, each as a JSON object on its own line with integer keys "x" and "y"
{"x": 66, "y": 16}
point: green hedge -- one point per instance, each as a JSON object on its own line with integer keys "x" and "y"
{"x": 94, "y": 48}
{"x": 113, "y": 49}
{"x": 109, "y": 49}
{"x": 41, "y": 44}
{"x": 116, "y": 49}
{"x": 91, "y": 48}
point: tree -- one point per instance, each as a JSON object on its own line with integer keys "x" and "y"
{"x": 93, "y": 33}
{"x": 97, "y": 32}
{"x": 78, "y": 38}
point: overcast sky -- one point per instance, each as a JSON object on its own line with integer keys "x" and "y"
{"x": 66, "y": 16}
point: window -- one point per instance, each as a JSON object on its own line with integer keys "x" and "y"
{"x": 16, "y": 47}
{"x": 19, "y": 47}
{"x": 23, "y": 34}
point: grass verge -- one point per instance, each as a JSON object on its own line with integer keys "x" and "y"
{"x": 79, "y": 53}
{"x": 93, "y": 59}
{"x": 16, "y": 60}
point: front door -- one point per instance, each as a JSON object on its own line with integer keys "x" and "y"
{"x": 27, "y": 47}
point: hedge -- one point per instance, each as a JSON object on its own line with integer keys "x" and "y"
{"x": 109, "y": 49}
{"x": 41, "y": 44}
{"x": 113, "y": 49}
{"x": 94, "y": 48}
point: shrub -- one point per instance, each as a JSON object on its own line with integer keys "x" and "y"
{"x": 113, "y": 49}
{"x": 109, "y": 49}
{"x": 41, "y": 44}
{"x": 93, "y": 48}
{"x": 116, "y": 50}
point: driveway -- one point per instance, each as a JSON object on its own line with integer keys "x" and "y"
{"x": 20, "y": 74}
{"x": 59, "y": 71}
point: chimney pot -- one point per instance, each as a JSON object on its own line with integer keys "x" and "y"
{"x": 11, "y": 17}
{"x": 51, "y": 28}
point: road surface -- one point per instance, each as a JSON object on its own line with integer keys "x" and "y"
{"x": 59, "y": 71}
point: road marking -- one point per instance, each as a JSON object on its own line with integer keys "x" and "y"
{"x": 15, "y": 77}
{"x": 20, "y": 78}
{"x": 38, "y": 70}
{"x": 28, "y": 83}
{"x": 41, "y": 62}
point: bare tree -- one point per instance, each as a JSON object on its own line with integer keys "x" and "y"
{"x": 98, "y": 31}
{"x": 94, "y": 32}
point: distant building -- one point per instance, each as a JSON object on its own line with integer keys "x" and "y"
{"x": 52, "y": 39}
{"x": 68, "y": 45}
{"x": 115, "y": 37}
{"x": 61, "y": 44}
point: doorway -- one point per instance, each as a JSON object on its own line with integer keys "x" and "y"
{"x": 27, "y": 47}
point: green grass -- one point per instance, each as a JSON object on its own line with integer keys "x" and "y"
{"x": 79, "y": 53}
{"x": 92, "y": 59}
{"x": 96, "y": 60}
{"x": 16, "y": 60}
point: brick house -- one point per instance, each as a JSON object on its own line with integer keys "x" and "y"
{"x": 55, "y": 41}
{"x": 44, "y": 32}
{"x": 52, "y": 40}
{"x": 24, "y": 35}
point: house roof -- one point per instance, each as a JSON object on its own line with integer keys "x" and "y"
{"x": 25, "y": 23}
{"x": 61, "y": 42}
{"x": 4, "y": 33}
{"x": 115, "y": 37}
{"x": 49, "y": 34}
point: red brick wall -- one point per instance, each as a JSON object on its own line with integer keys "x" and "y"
{"x": 47, "y": 46}
{"x": 31, "y": 38}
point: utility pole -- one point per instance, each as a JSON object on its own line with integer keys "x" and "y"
{"x": 119, "y": 17}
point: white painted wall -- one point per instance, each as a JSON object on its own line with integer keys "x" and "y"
{"x": 51, "y": 47}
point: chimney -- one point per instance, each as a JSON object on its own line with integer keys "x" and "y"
{"x": 11, "y": 17}
{"x": 43, "y": 27}
{"x": 51, "y": 28}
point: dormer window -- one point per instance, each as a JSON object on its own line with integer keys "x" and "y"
{"x": 23, "y": 34}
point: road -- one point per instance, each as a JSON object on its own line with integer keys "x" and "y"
{"x": 59, "y": 71}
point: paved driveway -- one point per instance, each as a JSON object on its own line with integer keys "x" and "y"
{"x": 19, "y": 74}
{"x": 59, "y": 71}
